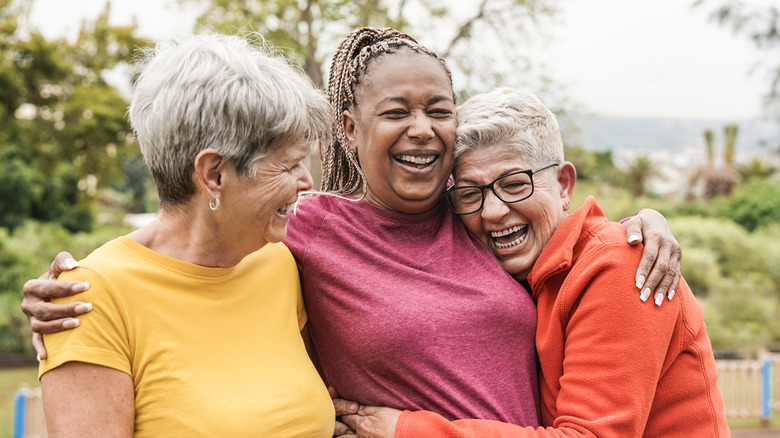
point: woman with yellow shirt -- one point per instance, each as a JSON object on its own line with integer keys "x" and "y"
{"x": 196, "y": 329}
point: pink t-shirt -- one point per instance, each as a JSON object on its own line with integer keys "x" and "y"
{"x": 411, "y": 311}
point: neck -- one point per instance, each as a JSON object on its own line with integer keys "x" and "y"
{"x": 194, "y": 236}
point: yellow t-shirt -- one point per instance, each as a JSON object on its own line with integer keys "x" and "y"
{"x": 212, "y": 351}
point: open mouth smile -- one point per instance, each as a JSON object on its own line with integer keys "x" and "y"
{"x": 418, "y": 162}
{"x": 510, "y": 237}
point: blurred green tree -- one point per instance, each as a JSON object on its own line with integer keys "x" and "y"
{"x": 65, "y": 134}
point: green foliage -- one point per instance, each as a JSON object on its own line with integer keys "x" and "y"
{"x": 754, "y": 204}
{"x": 27, "y": 254}
{"x": 734, "y": 274}
{"x": 65, "y": 134}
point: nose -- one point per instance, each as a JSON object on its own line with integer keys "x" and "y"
{"x": 420, "y": 127}
{"x": 493, "y": 209}
{"x": 305, "y": 181}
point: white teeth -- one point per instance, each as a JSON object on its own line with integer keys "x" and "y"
{"x": 507, "y": 232}
{"x": 417, "y": 160}
{"x": 520, "y": 239}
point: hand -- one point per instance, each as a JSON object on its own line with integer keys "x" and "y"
{"x": 662, "y": 253}
{"x": 45, "y": 316}
{"x": 342, "y": 407}
{"x": 373, "y": 421}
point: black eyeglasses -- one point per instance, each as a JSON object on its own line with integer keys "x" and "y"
{"x": 509, "y": 188}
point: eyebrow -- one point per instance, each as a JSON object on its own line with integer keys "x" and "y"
{"x": 402, "y": 100}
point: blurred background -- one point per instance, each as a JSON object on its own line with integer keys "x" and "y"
{"x": 672, "y": 105}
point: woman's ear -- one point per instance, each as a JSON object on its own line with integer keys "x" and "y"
{"x": 567, "y": 177}
{"x": 349, "y": 124}
{"x": 209, "y": 166}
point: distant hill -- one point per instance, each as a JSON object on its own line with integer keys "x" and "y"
{"x": 676, "y": 146}
{"x": 685, "y": 136}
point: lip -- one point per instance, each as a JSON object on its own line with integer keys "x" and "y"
{"x": 518, "y": 243}
{"x": 418, "y": 162}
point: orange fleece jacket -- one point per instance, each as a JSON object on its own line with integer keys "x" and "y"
{"x": 610, "y": 365}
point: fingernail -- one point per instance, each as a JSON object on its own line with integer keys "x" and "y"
{"x": 634, "y": 238}
{"x": 659, "y": 298}
{"x": 640, "y": 281}
{"x": 71, "y": 263}
{"x": 671, "y": 294}
{"x": 645, "y": 294}
{"x": 80, "y": 287}
{"x": 71, "y": 323}
{"x": 83, "y": 308}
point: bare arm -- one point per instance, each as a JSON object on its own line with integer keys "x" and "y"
{"x": 87, "y": 400}
{"x": 45, "y": 316}
{"x": 659, "y": 270}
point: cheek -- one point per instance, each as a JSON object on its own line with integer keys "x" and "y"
{"x": 473, "y": 223}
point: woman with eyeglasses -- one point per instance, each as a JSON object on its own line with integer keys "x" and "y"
{"x": 608, "y": 367}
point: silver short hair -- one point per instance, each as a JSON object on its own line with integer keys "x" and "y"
{"x": 513, "y": 118}
{"x": 223, "y": 92}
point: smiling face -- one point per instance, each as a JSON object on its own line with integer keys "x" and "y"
{"x": 260, "y": 205}
{"x": 515, "y": 233}
{"x": 403, "y": 130}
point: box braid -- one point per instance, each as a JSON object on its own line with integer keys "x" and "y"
{"x": 341, "y": 172}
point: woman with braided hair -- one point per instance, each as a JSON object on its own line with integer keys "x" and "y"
{"x": 405, "y": 305}
{"x": 406, "y": 308}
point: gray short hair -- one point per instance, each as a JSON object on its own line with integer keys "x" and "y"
{"x": 513, "y": 118}
{"x": 222, "y": 92}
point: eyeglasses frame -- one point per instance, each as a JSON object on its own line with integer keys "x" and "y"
{"x": 491, "y": 186}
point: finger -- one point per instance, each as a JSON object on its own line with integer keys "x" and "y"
{"x": 40, "y": 349}
{"x": 676, "y": 277}
{"x": 353, "y": 421}
{"x": 656, "y": 277}
{"x": 45, "y": 289}
{"x": 342, "y": 429}
{"x": 644, "y": 270}
{"x": 45, "y": 311}
{"x": 62, "y": 262}
{"x": 634, "y": 230}
{"x": 54, "y": 326}
{"x": 344, "y": 407}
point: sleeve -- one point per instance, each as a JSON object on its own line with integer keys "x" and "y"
{"x": 615, "y": 349}
{"x": 302, "y": 228}
{"x": 101, "y": 337}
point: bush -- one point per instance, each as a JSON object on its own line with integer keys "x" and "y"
{"x": 755, "y": 204}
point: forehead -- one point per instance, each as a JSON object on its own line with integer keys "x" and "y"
{"x": 405, "y": 69}
{"x": 486, "y": 163}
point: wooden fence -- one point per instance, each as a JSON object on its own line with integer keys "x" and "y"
{"x": 751, "y": 388}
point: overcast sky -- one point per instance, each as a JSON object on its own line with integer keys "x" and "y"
{"x": 659, "y": 58}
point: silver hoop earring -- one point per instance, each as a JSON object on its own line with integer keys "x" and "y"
{"x": 214, "y": 204}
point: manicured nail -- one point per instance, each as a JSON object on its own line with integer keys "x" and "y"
{"x": 80, "y": 287}
{"x": 671, "y": 294}
{"x": 634, "y": 238}
{"x": 659, "y": 298}
{"x": 640, "y": 281}
{"x": 71, "y": 263}
{"x": 71, "y": 323}
{"x": 83, "y": 308}
{"x": 645, "y": 294}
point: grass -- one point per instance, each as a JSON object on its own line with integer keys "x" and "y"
{"x": 10, "y": 380}
{"x": 737, "y": 423}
